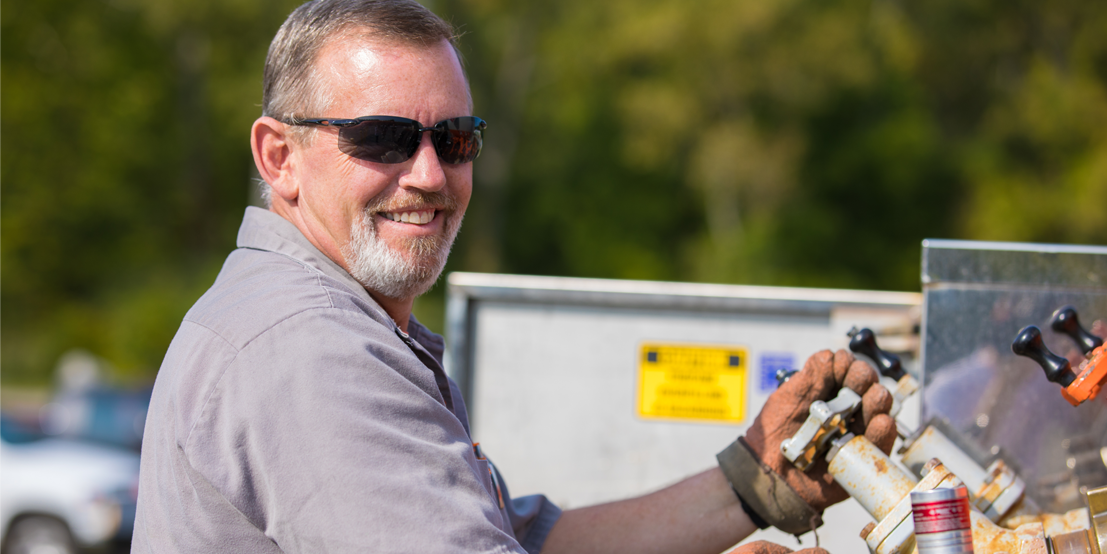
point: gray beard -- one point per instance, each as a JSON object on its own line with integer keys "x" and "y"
{"x": 401, "y": 273}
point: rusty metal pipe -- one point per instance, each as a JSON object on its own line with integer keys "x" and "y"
{"x": 869, "y": 476}
{"x": 996, "y": 491}
{"x": 989, "y": 538}
{"x": 882, "y": 488}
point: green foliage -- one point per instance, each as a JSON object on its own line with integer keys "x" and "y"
{"x": 125, "y": 169}
{"x": 791, "y": 142}
{"x": 785, "y": 142}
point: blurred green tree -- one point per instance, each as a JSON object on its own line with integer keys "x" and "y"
{"x": 787, "y": 142}
{"x": 126, "y": 167}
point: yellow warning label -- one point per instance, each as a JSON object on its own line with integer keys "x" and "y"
{"x": 692, "y": 382}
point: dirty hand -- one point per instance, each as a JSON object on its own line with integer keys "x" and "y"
{"x": 762, "y": 547}
{"x": 768, "y": 484}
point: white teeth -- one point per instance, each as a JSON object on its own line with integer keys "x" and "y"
{"x": 417, "y": 218}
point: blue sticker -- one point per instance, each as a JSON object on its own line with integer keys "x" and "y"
{"x": 770, "y": 363}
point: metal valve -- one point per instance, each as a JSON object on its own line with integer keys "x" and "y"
{"x": 884, "y": 490}
{"x": 1029, "y": 343}
{"x": 900, "y": 383}
{"x": 783, "y": 374}
{"x": 996, "y": 491}
{"x": 888, "y": 364}
{"x": 826, "y": 422}
{"x": 1065, "y": 320}
{"x": 1076, "y": 386}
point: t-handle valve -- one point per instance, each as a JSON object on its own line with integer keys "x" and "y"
{"x": 826, "y": 422}
{"x": 1077, "y": 386}
{"x": 888, "y": 364}
{"x": 1029, "y": 343}
{"x": 902, "y": 383}
{"x": 1066, "y": 321}
{"x": 783, "y": 374}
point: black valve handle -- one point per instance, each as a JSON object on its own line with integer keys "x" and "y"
{"x": 783, "y": 374}
{"x": 1066, "y": 321}
{"x": 1029, "y": 343}
{"x": 888, "y": 364}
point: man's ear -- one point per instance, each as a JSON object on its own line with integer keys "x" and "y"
{"x": 272, "y": 147}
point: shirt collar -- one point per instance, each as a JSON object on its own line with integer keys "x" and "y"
{"x": 264, "y": 230}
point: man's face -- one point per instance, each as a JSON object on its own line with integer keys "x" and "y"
{"x": 389, "y": 225}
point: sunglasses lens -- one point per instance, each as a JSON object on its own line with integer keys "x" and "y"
{"x": 459, "y": 140}
{"x": 393, "y": 140}
{"x": 384, "y": 140}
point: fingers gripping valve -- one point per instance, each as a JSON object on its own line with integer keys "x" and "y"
{"x": 898, "y": 382}
{"x": 995, "y": 491}
{"x": 826, "y": 422}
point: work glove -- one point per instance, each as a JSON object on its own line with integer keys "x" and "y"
{"x": 762, "y": 547}
{"x": 771, "y": 489}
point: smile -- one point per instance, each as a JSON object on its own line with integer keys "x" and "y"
{"x": 420, "y": 217}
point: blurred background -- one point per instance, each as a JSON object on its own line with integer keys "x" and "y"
{"x": 782, "y": 142}
{"x": 777, "y": 142}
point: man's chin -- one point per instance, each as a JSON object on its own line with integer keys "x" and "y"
{"x": 399, "y": 269}
{"x": 397, "y": 275}
{"x": 408, "y": 289}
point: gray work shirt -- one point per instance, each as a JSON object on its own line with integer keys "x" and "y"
{"x": 291, "y": 414}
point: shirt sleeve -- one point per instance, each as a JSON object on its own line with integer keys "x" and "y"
{"x": 532, "y": 517}
{"x": 329, "y": 435}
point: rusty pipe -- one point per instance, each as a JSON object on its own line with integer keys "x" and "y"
{"x": 868, "y": 475}
{"x": 883, "y": 489}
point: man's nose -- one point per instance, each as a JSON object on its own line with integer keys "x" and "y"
{"x": 426, "y": 169}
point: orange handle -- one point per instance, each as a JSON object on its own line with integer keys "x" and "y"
{"x": 1090, "y": 379}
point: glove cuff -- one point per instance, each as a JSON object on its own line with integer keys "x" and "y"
{"x": 762, "y": 490}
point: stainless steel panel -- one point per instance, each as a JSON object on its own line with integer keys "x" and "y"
{"x": 977, "y": 296}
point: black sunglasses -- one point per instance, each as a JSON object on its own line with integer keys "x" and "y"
{"x": 391, "y": 140}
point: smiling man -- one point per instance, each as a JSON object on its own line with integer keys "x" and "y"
{"x": 301, "y": 408}
{"x": 387, "y": 213}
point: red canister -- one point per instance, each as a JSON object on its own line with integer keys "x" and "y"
{"x": 942, "y": 521}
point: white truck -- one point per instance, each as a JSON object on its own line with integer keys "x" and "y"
{"x": 59, "y": 495}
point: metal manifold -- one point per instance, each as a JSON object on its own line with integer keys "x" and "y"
{"x": 1004, "y": 518}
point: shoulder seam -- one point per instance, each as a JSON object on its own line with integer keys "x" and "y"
{"x": 207, "y": 399}
{"x": 326, "y": 289}
{"x": 237, "y": 351}
{"x": 319, "y": 274}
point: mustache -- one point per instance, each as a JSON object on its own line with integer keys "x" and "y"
{"x": 411, "y": 200}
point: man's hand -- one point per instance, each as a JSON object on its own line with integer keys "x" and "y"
{"x": 762, "y": 547}
{"x": 700, "y": 516}
{"x": 787, "y": 409}
{"x": 781, "y": 495}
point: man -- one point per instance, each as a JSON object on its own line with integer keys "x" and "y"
{"x": 301, "y": 408}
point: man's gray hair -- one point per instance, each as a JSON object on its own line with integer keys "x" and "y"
{"x": 289, "y": 87}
